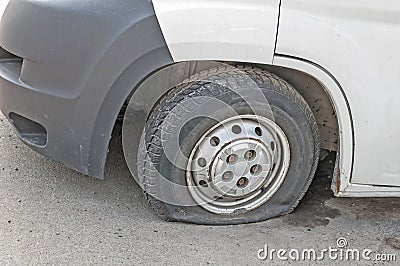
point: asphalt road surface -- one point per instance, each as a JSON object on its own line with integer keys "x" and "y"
{"x": 53, "y": 215}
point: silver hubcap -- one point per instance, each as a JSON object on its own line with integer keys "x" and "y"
{"x": 238, "y": 164}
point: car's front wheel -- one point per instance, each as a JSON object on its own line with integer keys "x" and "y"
{"x": 229, "y": 146}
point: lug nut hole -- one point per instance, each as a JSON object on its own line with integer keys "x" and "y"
{"x": 242, "y": 182}
{"x": 203, "y": 183}
{"x": 227, "y": 176}
{"x": 250, "y": 155}
{"x": 232, "y": 159}
{"x": 256, "y": 169}
{"x": 258, "y": 131}
{"x": 236, "y": 129}
{"x": 202, "y": 162}
{"x": 214, "y": 141}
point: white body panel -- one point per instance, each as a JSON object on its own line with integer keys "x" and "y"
{"x": 219, "y": 29}
{"x": 357, "y": 42}
{"x": 3, "y": 5}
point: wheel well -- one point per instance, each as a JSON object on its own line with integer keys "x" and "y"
{"x": 315, "y": 95}
{"x": 146, "y": 95}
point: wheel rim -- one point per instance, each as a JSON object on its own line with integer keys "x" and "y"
{"x": 238, "y": 164}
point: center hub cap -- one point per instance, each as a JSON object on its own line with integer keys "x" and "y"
{"x": 245, "y": 174}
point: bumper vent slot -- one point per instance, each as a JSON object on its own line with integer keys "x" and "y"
{"x": 31, "y": 132}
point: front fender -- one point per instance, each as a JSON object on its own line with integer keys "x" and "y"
{"x": 224, "y": 30}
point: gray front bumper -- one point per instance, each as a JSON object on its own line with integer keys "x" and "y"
{"x": 69, "y": 68}
{"x": 36, "y": 119}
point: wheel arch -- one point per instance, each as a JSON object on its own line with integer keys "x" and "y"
{"x": 114, "y": 101}
{"x": 136, "y": 53}
{"x": 312, "y": 82}
{"x": 335, "y": 92}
